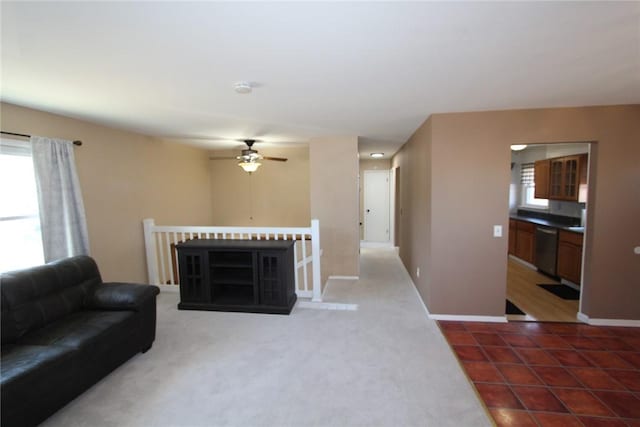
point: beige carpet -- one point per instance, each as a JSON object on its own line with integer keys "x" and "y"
{"x": 385, "y": 364}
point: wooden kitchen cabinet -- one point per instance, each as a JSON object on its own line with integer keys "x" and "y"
{"x": 512, "y": 236}
{"x": 555, "y": 178}
{"x": 541, "y": 170}
{"x": 566, "y": 175}
{"x": 570, "y": 256}
{"x": 525, "y": 242}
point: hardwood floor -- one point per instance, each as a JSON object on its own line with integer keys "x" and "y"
{"x": 537, "y": 303}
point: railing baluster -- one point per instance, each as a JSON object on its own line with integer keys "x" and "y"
{"x": 161, "y": 250}
{"x": 169, "y": 252}
{"x": 304, "y": 264}
{"x": 161, "y": 258}
{"x": 295, "y": 265}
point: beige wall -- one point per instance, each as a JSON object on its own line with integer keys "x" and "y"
{"x": 125, "y": 177}
{"x": 333, "y": 171}
{"x": 277, "y": 194}
{"x": 366, "y": 165}
{"x": 467, "y": 194}
{"x": 414, "y": 198}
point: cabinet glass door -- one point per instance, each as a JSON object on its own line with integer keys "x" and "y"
{"x": 555, "y": 184}
{"x": 271, "y": 291}
{"x": 193, "y": 280}
{"x": 570, "y": 181}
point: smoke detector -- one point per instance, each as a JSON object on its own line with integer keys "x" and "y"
{"x": 242, "y": 87}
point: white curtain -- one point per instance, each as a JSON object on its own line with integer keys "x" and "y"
{"x": 62, "y": 218}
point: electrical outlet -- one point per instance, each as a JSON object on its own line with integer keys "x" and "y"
{"x": 497, "y": 231}
{"x": 418, "y": 272}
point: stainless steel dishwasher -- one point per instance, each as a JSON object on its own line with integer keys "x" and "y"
{"x": 546, "y": 249}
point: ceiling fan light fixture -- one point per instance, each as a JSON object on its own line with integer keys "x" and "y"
{"x": 249, "y": 166}
{"x": 377, "y": 155}
{"x": 518, "y": 147}
{"x": 242, "y": 87}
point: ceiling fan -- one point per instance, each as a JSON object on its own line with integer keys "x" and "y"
{"x": 250, "y": 159}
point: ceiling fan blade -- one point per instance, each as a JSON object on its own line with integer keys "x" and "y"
{"x": 278, "y": 159}
{"x": 222, "y": 158}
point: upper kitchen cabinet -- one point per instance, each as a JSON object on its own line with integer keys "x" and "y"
{"x": 565, "y": 177}
{"x": 541, "y": 179}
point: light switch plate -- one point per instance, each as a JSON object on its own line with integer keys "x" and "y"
{"x": 497, "y": 231}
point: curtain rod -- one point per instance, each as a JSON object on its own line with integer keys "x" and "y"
{"x": 78, "y": 143}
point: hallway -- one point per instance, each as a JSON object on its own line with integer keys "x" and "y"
{"x": 385, "y": 364}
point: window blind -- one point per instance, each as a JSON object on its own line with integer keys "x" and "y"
{"x": 526, "y": 174}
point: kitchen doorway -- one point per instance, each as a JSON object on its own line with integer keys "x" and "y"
{"x": 547, "y": 219}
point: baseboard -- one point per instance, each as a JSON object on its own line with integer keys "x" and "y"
{"x": 366, "y": 244}
{"x": 570, "y": 284}
{"x": 608, "y": 322}
{"x": 343, "y": 278}
{"x": 523, "y": 262}
{"x": 454, "y": 317}
{"x": 465, "y": 318}
{"x": 304, "y": 294}
{"x": 327, "y": 305}
{"x": 169, "y": 288}
{"x": 415, "y": 288}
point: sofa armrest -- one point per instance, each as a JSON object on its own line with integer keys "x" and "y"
{"x": 120, "y": 296}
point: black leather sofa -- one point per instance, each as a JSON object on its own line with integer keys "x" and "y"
{"x": 63, "y": 330}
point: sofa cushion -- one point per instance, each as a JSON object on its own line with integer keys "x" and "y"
{"x": 32, "y": 378}
{"x": 22, "y": 361}
{"x": 35, "y": 297}
{"x": 120, "y": 296}
{"x": 92, "y": 331}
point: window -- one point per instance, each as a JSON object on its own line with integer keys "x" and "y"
{"x": 20, "y": 237}
{"x": 529, "y": 188}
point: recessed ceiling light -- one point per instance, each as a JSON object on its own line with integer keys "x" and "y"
{"x": 518, "y": 147}
{"x": 376, "y": 155}
{"x": 242, "y": 87}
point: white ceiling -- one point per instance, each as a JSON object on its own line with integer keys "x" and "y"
{"x": 376, "y": 70}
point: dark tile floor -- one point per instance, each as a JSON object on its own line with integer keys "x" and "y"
{"x": 551, "y": 374}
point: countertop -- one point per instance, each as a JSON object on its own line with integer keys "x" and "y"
{"x": 548, "y": 223}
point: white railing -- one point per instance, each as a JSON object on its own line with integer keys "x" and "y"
{"x": 162, "y": 265}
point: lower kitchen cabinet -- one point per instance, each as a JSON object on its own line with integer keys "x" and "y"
{"x": 570, "y": 256}
{"x": 512, "y": 236}
{"x": 522, "y": 242}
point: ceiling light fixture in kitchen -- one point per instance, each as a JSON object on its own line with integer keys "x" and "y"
{"x": 242, "y": 87}
{"x": 377, "y": 155}
{"x": 518, "y": 147}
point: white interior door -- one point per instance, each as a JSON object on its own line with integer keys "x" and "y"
{"x": 376, "y": 205}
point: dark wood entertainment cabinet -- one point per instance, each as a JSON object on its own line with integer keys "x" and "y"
{"x": 237, "y": 275}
